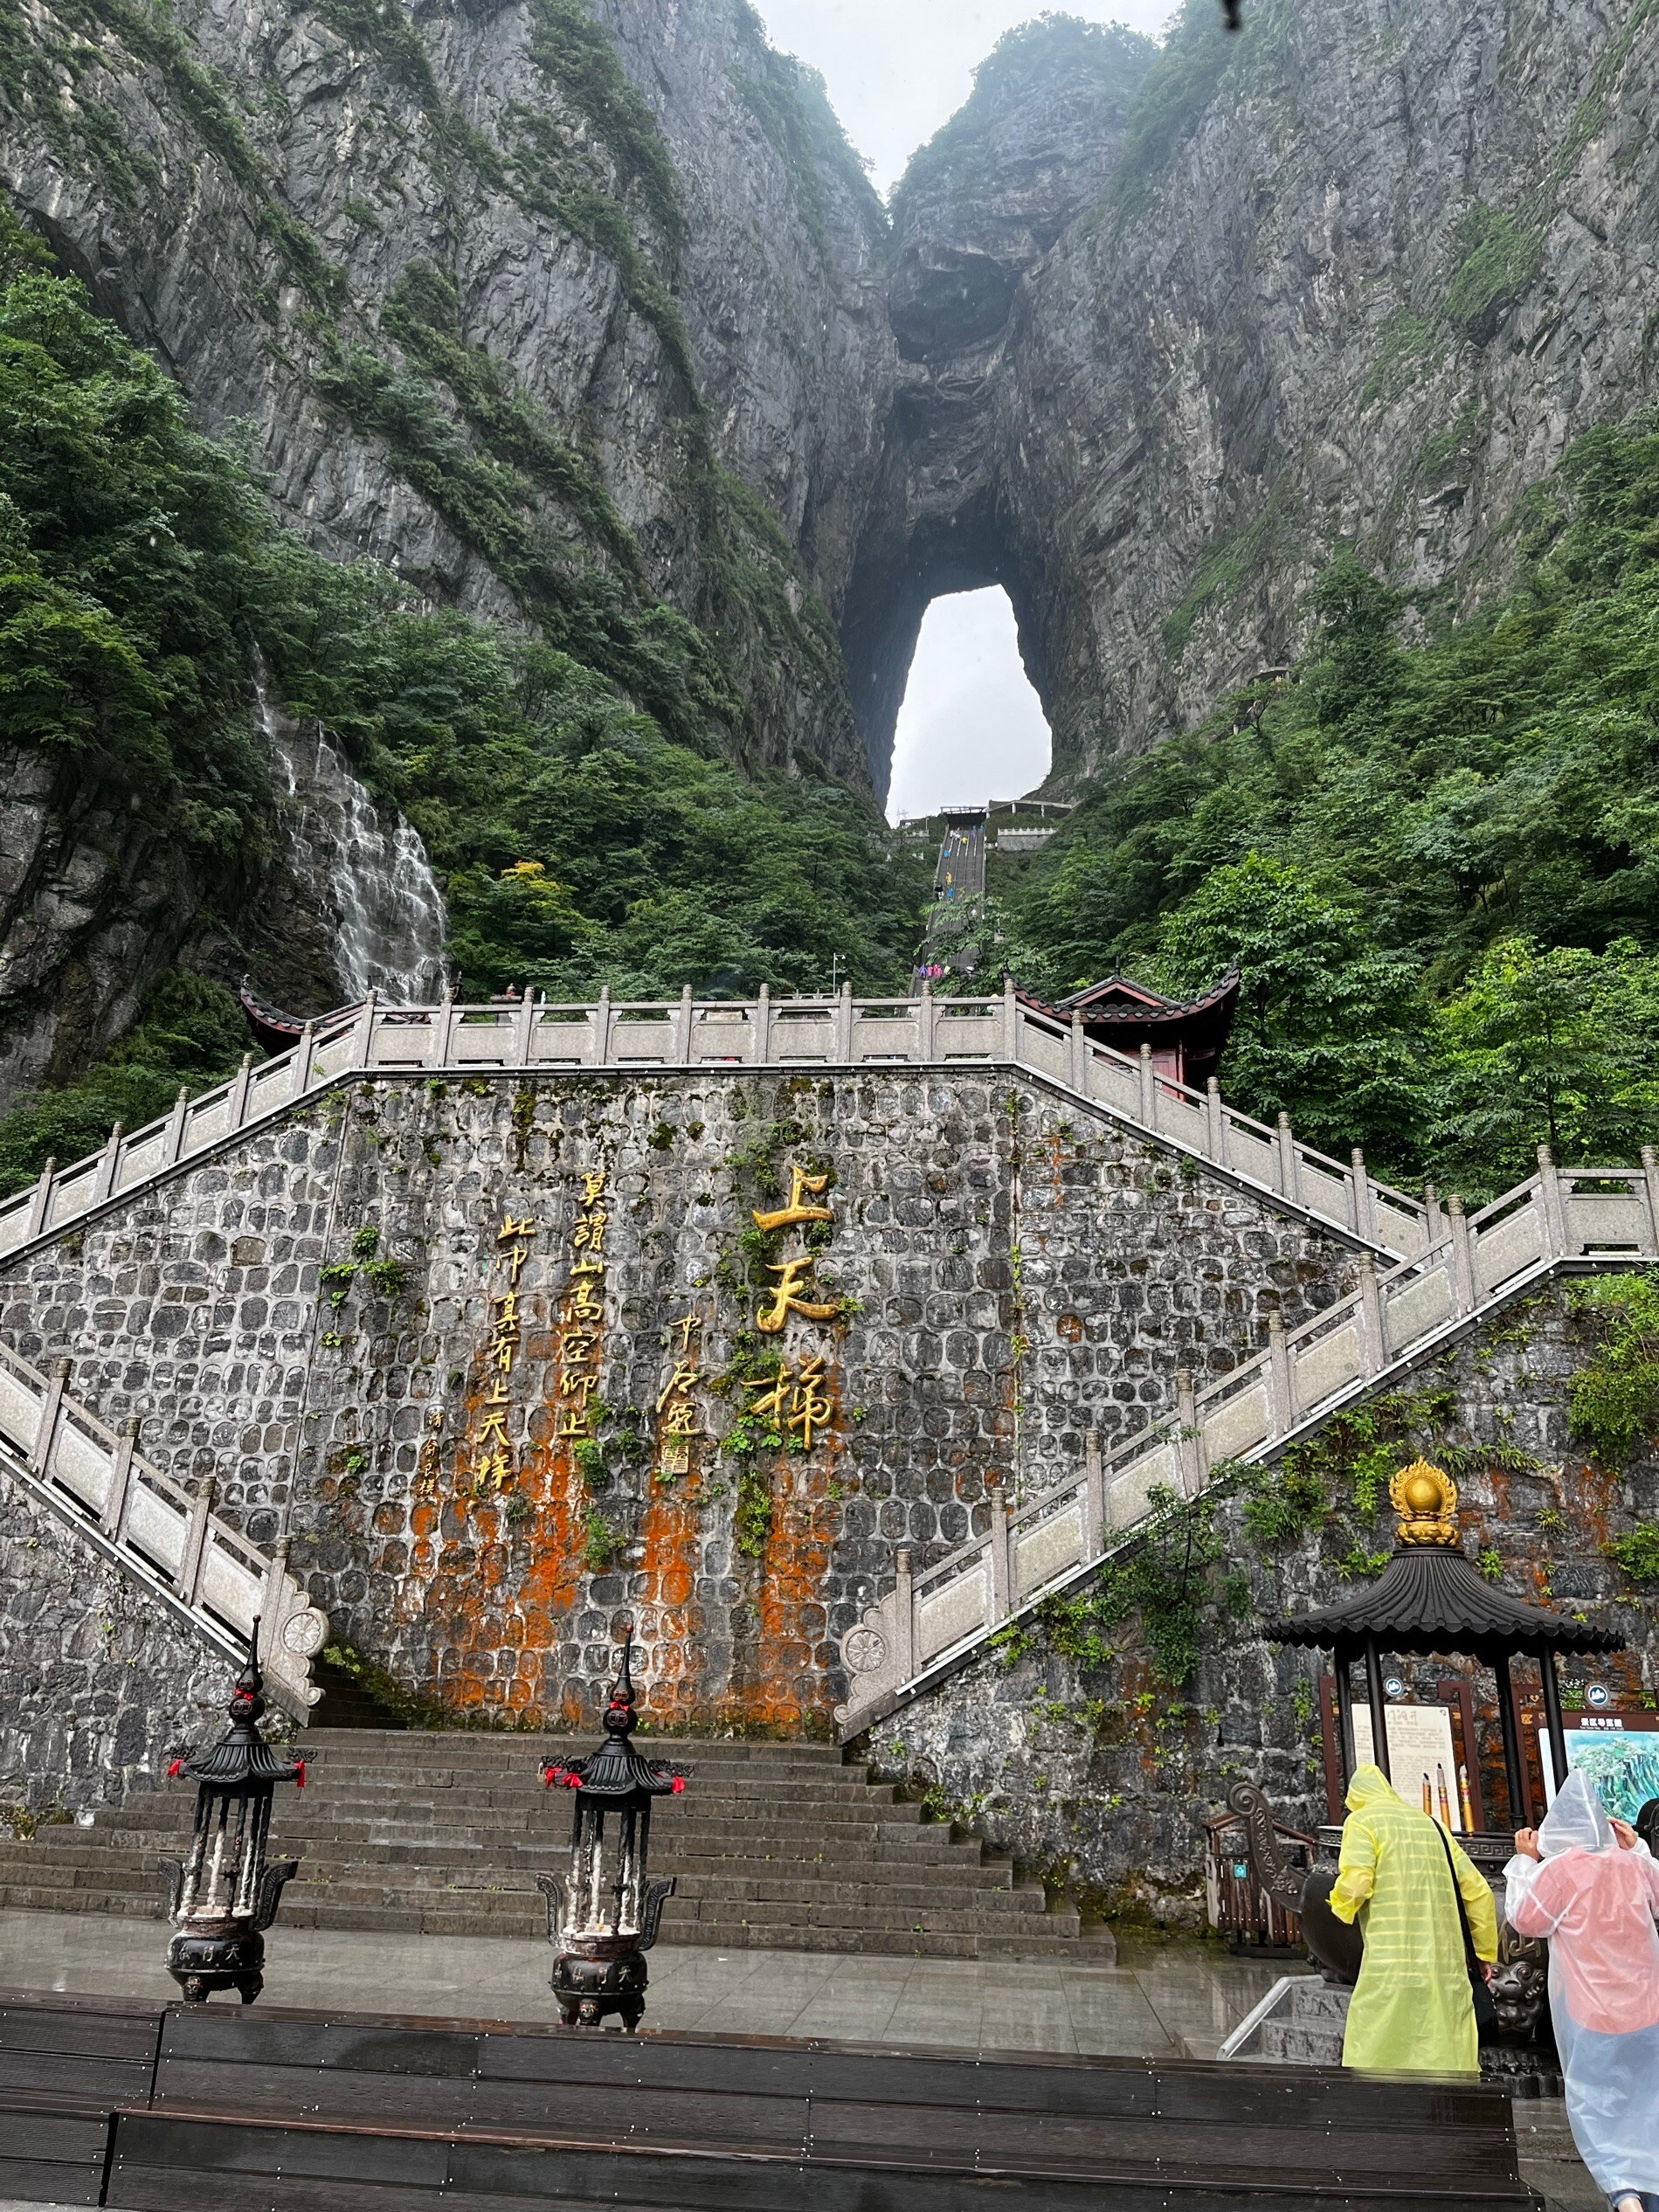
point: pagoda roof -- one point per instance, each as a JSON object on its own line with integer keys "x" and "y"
{"x": 1430, "y": 1598}
{"x": 1118, "y": 1000}
{"x": 1126, "y": 1016}
{"x": 275, "y": 1030}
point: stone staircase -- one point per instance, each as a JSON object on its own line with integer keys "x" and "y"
{"x": 774, "y": 1845}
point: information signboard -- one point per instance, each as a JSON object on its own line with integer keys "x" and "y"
{"x": 1422, "y": 1763}
{"x": 1619, "y": 1751}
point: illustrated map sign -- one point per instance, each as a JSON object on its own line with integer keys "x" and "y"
{"x": 1619, "y": 1751}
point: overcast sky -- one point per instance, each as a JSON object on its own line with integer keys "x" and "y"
{"x": 971, "y": 727}
{"x": 897, "y": 69}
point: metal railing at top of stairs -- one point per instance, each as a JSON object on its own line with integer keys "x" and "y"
{"x": 933, "y": 1621}
{"x": 872, "y": 1034}
{"x": 160, "y": 1532}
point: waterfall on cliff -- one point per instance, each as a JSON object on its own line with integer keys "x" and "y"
{"x": 387, "y": 910}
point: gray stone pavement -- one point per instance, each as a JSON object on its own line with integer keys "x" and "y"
{"x": 1159, "y": 2001}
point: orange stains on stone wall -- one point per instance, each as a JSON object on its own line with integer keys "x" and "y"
{"x": 787, "y": 1690}
{"x": 668, "y": 1620}
{"x": 499, "y": 1571}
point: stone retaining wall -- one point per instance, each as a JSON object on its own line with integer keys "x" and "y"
{"x": 998, "y": 1278}
{"x": 98, "y": 1686}
{"x": 1103, "y": 1774}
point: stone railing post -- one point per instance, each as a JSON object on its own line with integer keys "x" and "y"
{"x": 844, "y": 1024}
{"x": 1077, "y": 1048}
{"x": 524, "y": 1028}
{"x": 109, "y": 1166}
{"x": 1282, "y": 1382}
{"x": 924, "y": 1020}
{"x": 443, "y": 1029}
{"x": 1650, "y": 1183}
{"x": 363, "y": 1042}
{"x": 274, "y": 1603}
{"x": 1010, "y": 1020}
{"x": 1000, "y": 1548}
{"x": 688, "y": 1018}
{"x": 1553, "y": 1208}
{"x": 1433, "y": 1219}
{"x": 304, "y": 1052}
{"x": 1094, "y": 1494}
{"x": 763, "y": 1023}
{"x": 178, "y": 1124}
{"x": 1148, "y": 1090}
{"x": 40, "y": 1203}
{"x": 1215, "y": 1122}
{"x": 1463, "y": 1259}
{"x": 239, "y": 1085}
{"x": 602, "y": 1029}
{"x": 1373, "y": 1323}
{"x": 903, "y": 1616}
{"x": 190, "y": 1566}
{"x": 1289, "y": 1163}
{"x": 1364, "y": 1200}
{"x": 120, "y": 1476}
{"x": 1189, "y": 1443}
{"x": 42, "y": 1451}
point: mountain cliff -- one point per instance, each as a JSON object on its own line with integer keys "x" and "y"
{"x": 1360, "y": 273}
{"x": 581, "y": 318}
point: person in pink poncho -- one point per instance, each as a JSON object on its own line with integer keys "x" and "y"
{"x": 1591, "y": 1885}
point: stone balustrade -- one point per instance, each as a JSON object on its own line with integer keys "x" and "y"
{"x": 162, "y": 1533}
{"x": 1041, "y": 1546}
{"x": 456, "y": 1039}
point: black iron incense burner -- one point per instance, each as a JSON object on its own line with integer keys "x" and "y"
{"x": 602, "y": 1917}
{"x": 223, "y": 1893}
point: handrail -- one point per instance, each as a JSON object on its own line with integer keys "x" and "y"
{"x": 934, "y": 1619}
{"x": 160, "y": 1530}
{"x": 632, "y": 1035}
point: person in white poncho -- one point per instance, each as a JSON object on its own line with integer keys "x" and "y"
{"x": 1591, "y": 1885}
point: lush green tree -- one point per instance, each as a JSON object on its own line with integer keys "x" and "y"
{"x": 190, "y": 1034}
{"x": 128, "y": 549}
{"x": 1558, "y": 1047}
{"x": 1324, "y": 1029}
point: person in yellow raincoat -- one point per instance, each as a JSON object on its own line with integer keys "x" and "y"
{"x": 1411, "y": 2012}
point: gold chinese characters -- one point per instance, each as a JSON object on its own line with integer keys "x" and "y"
{"x": 787, "y": 1296}
{"x": 583, "y": 1312}
{"x": 497, "y": 1455}
{"x": 799, "y": 1401}
{"x": 676, "y": 1408}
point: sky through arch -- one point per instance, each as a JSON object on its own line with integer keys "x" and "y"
{"x": 971, "y": 728}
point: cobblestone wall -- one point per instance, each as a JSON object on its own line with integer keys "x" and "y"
{"x": 98, "y": 1686}
{"x": 1102, "y": 1773}
{"x": 332, "y": 1322}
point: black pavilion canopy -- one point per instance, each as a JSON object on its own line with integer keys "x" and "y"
{"x": 1432, "y": 1599}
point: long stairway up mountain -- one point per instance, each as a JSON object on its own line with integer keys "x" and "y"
{"x": 773, "y": 1845}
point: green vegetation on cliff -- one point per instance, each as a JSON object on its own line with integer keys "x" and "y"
{"x": 581, "y": 840}
{"x": 1436, "y": 864}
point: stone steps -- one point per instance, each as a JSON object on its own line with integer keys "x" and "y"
{"x": 778, "y": 1846}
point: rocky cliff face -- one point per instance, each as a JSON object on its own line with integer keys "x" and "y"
{"x": 583, "y": 314}
{"x": 1360, "y": 271}
{"x": 535, "y": 303}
